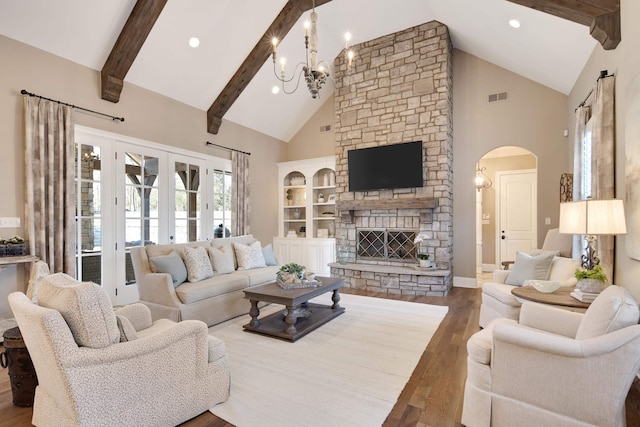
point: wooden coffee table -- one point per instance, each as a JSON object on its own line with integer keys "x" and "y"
{"x": 560, "y": 297}
{"x": 299, "y": 317}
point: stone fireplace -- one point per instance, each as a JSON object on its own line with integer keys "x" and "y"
{"x": 398, "y": 90}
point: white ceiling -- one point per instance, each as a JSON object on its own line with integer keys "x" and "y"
{"x": 546, "y": 49}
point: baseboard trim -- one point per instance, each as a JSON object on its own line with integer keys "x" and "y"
{"x": 488, "y": 268}
{"x": 465, "y": 282}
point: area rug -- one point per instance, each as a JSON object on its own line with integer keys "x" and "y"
{"x": 349, "y": 371}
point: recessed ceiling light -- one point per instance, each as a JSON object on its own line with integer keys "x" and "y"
{"x": 194, "y": 42}
{"x": 275, "y": 90}
{"x": 514, "y": 23}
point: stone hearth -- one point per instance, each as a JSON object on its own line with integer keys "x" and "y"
{"x": 399, "y": 90}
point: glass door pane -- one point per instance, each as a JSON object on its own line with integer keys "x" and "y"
{"x": 221, "y": 203}
{"x": 89, "y": 212}
{"x": 187, "y": 202}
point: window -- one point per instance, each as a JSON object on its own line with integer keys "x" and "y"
{"x": 586, "y": 162}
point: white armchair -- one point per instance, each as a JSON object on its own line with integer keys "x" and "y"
{"x": 555, "y": 367}
{"x": 96, "y": 369}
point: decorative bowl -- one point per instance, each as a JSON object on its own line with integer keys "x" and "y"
{"x": 545, "y": 286}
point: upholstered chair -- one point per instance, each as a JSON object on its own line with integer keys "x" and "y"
{"x": 555, "y": 367}
{"x": 97, "y": 367}
{"x": 497, "y": 300}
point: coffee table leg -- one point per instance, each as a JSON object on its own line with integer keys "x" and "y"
{"x": 254, "y": 313}
{"x": 336, "y": 299}
{"x": 290, "y": 319}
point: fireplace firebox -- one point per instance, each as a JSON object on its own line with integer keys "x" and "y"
{"x": 386, "y": 244}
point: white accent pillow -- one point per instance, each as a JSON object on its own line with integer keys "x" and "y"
{"x": 197, "y": 262}
{"x": 529, "y": 267}
{"x": 250, "y": 256}
{"x": 222, "y": 259}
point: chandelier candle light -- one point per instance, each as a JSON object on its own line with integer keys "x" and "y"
{"x": 315, "y": 73}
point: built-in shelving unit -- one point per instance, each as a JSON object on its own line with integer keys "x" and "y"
{"x": 307, "y": 212}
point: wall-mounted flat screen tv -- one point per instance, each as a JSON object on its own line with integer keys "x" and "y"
{"x": 386, "y": 167}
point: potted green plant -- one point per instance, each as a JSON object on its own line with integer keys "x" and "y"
{"x": 424, "y": 260}
{"x": 591, "y": 280}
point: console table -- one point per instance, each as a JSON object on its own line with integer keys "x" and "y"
{"x": 11, "y": 260}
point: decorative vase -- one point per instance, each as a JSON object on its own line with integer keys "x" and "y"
{"x": 296, "y": 214}
{"x": 332, "y": 179}
{"x": 590, "y": 285}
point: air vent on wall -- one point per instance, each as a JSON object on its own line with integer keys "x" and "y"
{"x": 326, "y": 128}
{"x": 496, "y": 97}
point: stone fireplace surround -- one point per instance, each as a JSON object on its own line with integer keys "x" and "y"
{"x": 399, "y": 90}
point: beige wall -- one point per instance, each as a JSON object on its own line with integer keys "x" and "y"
{"x": 534, "y": 118}
{"x": 493, "y": 165}
{"x": 148, "y": 116}
{"x": 624, "y": 61}
{"x": 309, "y": 142}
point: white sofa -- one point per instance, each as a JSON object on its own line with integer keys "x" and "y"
{"x": 212, "y": 300}
{"x": 497, "y": 300}
{"x": 555, "y": 367}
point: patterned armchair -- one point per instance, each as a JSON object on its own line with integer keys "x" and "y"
{"x": 97, "y": 367}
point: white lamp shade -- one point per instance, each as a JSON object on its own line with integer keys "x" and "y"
{"x": 593, "y": 217}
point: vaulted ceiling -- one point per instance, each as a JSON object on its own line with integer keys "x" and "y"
{"x": 231, "y": 73}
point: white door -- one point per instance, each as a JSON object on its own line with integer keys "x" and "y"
{"x": 187, "y": 215}
{"x": 517, "y": 210}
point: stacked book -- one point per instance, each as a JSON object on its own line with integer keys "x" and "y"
{"x": 584, "y": 296}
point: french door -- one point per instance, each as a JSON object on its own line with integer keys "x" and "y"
{"x": 131, "y": 193}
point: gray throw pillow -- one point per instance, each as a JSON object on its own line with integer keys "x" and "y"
{"x": 269, "y": 257}
{"x": 173, "y": 265}
{"x": 527, "y": 267}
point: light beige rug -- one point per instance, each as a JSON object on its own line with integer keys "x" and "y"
{"x": 348, "y": 372}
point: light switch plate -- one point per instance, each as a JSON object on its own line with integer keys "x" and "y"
{"x": 9, "y": 222}
{"x": 547, "y": 221}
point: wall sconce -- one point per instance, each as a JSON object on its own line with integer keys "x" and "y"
{"x": 482, "y": 180}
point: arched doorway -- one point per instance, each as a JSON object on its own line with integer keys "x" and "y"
{"x": 499, "y": 165}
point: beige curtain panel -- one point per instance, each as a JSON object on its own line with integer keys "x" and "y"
{"x": 50, "y": 187}
{"x": 240, "y": 196}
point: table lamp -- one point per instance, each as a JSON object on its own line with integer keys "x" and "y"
{"x": 592, "y": 218}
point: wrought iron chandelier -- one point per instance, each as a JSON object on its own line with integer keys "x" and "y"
{"x": 316, "y": 73}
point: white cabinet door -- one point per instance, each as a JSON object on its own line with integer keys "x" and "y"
{"x": 314, "y": 254}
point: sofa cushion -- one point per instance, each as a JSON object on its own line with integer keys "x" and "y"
{"x": 258, "y": 276}
{"x": 269, "y": 257}
{"x": 529, "y": 267}
{"x": 189, "y": 292}
{"x": 563, "y": 270}
{"x": 500, "y": 292}
{"x": 615, "y": 308}
{"x": 222, "y": 260}
{"x": 249, "y": 256}
{"x": 246, "y": 239}
{"x": 197, "y": 262}
{"x": 85, "y": 307}
{"x": 171, "y": 264}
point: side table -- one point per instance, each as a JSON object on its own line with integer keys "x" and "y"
{"x": 559, "y": 298}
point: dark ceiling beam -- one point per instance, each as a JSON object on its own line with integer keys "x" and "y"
{"x": 601, "y": 16}
{"x": 130, "y": 41}
{"x": 279, "y": 28}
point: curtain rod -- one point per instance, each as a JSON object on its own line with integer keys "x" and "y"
{"x": 603, "y": 74}
{"x": 114, "y": 118}
{"x": 227, "y": 148}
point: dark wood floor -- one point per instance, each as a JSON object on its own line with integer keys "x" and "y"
{"x": 432, "y": 397}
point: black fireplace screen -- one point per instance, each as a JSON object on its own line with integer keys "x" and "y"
{"x": 386, "y": 244}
